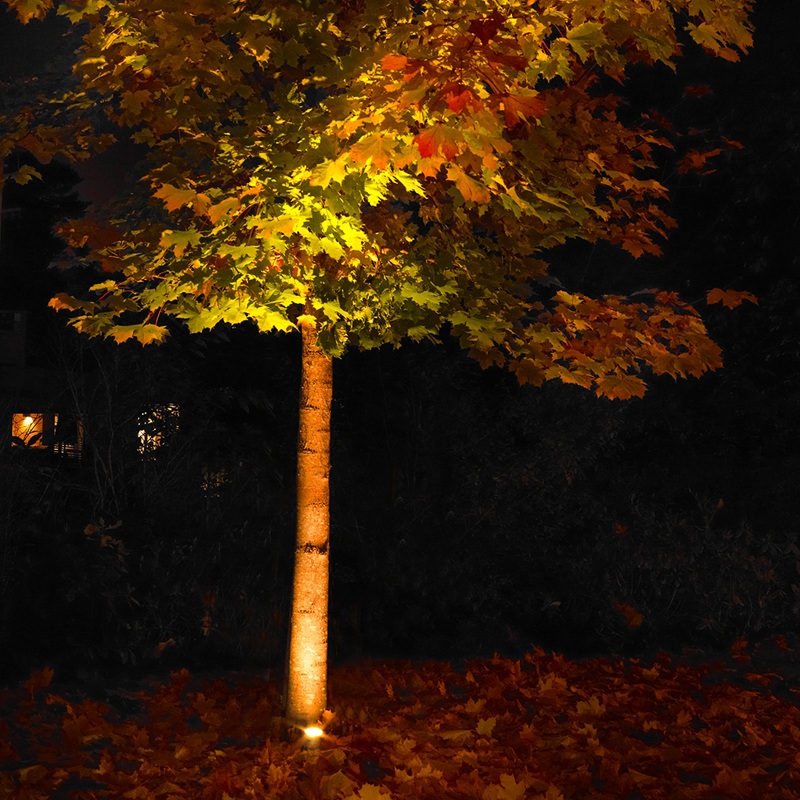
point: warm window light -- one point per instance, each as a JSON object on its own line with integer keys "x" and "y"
{"x": 32, "y": 429}
{"x": 155, "y": 425}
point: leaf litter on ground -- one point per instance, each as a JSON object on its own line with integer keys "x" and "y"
{"x": 541, "y": 727}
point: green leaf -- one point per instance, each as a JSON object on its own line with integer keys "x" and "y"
{"x": 586, "y": 37}
{"x": 179, "y": 241}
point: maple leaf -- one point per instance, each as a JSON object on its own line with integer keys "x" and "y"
{"x": 631, "y": 615}
{"x": 393, "y": 62}
{"x": 177, "y": 241}
{"x": 369, "y": 791}
{"x": 486, "y": 726}
{"x": 695, "y": 161}
{"x": 529, "y": 371}
{"x": 470, "y": 189}
{"x": 139, "y": 793}
{"x": 222, "y": 209}
{"x": 458, "y": 97}
{"x": 38, "y": 680}
{"x": 486, "y": 29}
{"x": 519, "y": 107}
{"x": 591, "y": 707}
{"x": 508, "y": 789}
{"x": 439, "y": 138}
{"x": 697, "y": 90}
{"x": 24, "y": 174}
{"x": 30, "y": 9}
{"x": 336, "y": 785}
{"x": 730, "y": 298}
{"x": 174, "y": 197}
{"x": 620, "y": 387}
{"x": 330, "y": 171}
{"x": 733, "y": 144}
{"x": 739, "y": 651}
{"x": 376, "y": 148}
{"x": 64, "y": 302}
{"x": 585, "y": 37}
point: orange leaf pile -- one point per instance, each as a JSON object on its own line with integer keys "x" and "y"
{"x": 542, "y": 727}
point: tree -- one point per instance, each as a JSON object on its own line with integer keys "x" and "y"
{"x": 371, "y": 171}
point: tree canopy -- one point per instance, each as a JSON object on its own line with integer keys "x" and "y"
{"x": 381, "y": 170}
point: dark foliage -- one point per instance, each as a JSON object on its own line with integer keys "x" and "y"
{"x": 469, "y": 515}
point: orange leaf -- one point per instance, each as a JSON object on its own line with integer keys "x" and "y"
{"x": 38, "y": 681}
{"x": 470, "y": 189}
{"x": 697, "y": 90}
{"x": 620, "y": 387}
{"x": 439, "y": 138}
{"x": 695, "y": 161}
{"x": 738, "y": 653}
{"x": 518, "y": 107}
{"x": 393, "y": 62}
{"x": 730, "y": 298}
{"x": 631, "y": 615}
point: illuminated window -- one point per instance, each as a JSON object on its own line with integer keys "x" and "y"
{"x": 68, "y": 442}
{"x": 156, "y": 425}
{"x": 213, "y": 480}
{"x": 32, "y": 430}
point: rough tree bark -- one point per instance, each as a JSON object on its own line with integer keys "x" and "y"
{"x": 307, "y": 662}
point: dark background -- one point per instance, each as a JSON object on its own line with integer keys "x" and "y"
{"x": 469, "y": 515}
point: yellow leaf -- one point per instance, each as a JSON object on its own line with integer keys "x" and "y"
{"x": 374, "y": 148}
{"x": 307, "y": 319}
{"x": 370, "y": 791}
{"x": 168, "y": 788}
{"x": 139, "y": 793}
{"x": 31, "y": 9}
{"x": 458, "y": 738}
{"x": 31, "y": 774}
{"x": 218, "y": 211}
{"x": 63, "y": 302}
{"x": 508, "y": 789}
{"x": 173, "y": 197}
{"x": 328, "y": 171}
{"x": 486, "y": 726}
{"x": 591, "y": 707}
{"x": 336, "y": 785}
{"x": 474, "y": 706}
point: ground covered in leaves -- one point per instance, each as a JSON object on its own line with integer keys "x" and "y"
{"x": 542, "y": 727}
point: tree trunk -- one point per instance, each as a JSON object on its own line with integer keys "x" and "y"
{"x": 307, "y": 663}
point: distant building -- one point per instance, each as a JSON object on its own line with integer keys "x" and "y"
{"x": 32, "y": 398}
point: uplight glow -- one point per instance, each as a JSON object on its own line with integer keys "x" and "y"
{"x": 313, "y": 732}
